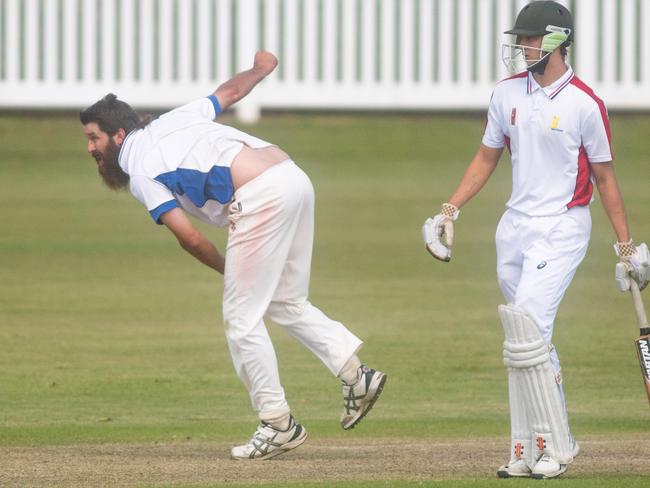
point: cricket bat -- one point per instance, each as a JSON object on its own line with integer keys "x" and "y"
{"x": 643, "y": 341}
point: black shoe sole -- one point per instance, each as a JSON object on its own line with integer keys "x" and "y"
{"x": 505, "y": 474}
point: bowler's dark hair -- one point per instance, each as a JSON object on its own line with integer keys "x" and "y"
{"x": 111, "y": 115}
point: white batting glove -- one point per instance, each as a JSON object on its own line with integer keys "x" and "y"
{"x": 438, "y": 232}
{"x": 634, "y": 265}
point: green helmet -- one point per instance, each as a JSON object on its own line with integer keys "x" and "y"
{"x": 545, "y": 18}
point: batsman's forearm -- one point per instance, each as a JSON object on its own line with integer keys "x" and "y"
{"x": 477, "y": 174}
{"x": 614, "y": 207}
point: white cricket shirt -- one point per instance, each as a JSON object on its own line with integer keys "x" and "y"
{"x": 552, "y": 133}
{"x": 182, "y": 159}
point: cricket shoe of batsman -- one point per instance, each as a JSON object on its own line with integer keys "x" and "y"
{"x": 438, "y": 232}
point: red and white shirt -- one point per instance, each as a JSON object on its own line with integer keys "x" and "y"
{"x": 553, "y": 133}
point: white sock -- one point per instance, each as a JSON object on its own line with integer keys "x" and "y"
{"x": 279, "y": 423}
{"x": 349, "y": 373}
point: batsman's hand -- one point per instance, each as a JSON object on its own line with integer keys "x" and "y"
{"x": 265, "y": 62}
{"x": 438, "y": 232}
{"x": 634, "y": 265}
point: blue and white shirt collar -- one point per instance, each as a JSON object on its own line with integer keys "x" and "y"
{"x": 123, "y": 157}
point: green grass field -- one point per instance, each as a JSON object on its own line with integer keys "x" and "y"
{"x": 111, "y": 334}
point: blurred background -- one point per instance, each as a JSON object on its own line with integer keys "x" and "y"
{"x": 334, "y": 54}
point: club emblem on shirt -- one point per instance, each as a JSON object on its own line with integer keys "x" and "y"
{"x": 555, "y": 123}
{"x": 513, "y": 116}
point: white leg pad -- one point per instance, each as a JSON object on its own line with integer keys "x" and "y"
{"x": 521, "y": 449}
{"x": 526, "y": 355}
{"x": 520, "y": 425}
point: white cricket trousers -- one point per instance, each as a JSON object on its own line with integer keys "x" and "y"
{"x": 537, "y": 258}
{"x": 268, "y": 261}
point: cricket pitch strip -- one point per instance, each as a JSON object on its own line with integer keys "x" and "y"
{"x": 192, "y": 462}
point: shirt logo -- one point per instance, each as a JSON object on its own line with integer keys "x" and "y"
{"x": 542, "y": 265}
{"x": 513, "y": 116}
{"x": 555, "y": 123}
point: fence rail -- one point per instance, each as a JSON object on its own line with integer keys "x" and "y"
{"x": 334, "y": 54}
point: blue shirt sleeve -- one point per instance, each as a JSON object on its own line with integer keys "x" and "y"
{"x": 157, "y": 212}
{"x": 205, "y": 107}
{"x": 215, "y": 104}
{"x": 154, "y": 195}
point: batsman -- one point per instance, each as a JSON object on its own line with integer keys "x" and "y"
{"x": 557, "y": 132}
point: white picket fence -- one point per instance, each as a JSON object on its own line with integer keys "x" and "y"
{"x": 334, "y": 54}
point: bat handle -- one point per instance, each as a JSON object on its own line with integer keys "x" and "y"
{"x": 638, "y": 307}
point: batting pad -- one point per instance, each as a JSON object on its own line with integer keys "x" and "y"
{"x": 520, "y": 425}
{"x": 526, "y": 355}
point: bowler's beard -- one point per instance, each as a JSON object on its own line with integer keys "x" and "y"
{"x": 109, "y": 168}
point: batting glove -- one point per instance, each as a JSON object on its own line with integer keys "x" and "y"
{"x": 634, "y": 265}
{"x": 438, "y": 232}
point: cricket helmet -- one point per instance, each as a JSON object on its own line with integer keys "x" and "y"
{"x": 543, "y": 18}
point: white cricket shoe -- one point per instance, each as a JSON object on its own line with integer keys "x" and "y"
{"x": 359, "y": 397}
{"x": 547, "y": 467}
{"x": 268, "y": 442}
{"x": 514, "y": 469}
